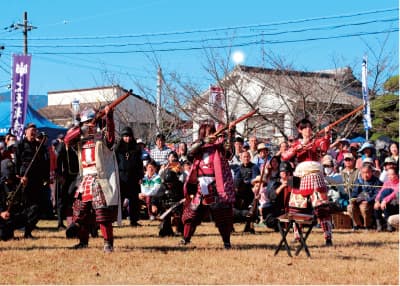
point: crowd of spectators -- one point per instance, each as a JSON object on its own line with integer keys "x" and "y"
{"x": 363, "y": 182}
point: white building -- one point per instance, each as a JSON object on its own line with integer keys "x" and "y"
{"x": 280, "y": 96}
{"x": 135, "y": 111}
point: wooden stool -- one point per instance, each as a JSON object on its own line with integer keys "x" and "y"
{"x": 287, "y": 222}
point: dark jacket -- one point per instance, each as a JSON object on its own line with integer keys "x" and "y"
{"x": 130, "y": 164}
{"x": 40, "y": 169}
{"x": 366, "y": 190}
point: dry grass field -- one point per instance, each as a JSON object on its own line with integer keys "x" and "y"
{"x": 141, "y": 257}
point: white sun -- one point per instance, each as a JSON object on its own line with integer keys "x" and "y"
{"x": 238, "y": 57}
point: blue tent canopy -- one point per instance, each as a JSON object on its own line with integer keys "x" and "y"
{"x": 42, "y": 123}
{"x": 358, "y": 139}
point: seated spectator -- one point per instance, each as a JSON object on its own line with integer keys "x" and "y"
{"x": 150, "y": 187}
{"x": 387, "y": 200}
{"x": 389, "y": 163}
{"x": 334, "y": 180}
{"x": 173, "y": 163}
{"x": 186, "y": 165}
{"x": 349, "y": 173}
{"x": 170, "y": 193}
{"x": 394, "y": 152}
{"x": 363, "y": 198}
{"x": 393, "y": 220}
{"x": 244, "y": 196}
{"x": 367, "y": 150}
{"x": 277, "y": 196}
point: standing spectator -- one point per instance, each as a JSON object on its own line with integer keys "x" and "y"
{"x": 386, "y": 200}
{"x": 67, "y": 177}
{"x": 209, "y": 184}
{"x": 97, "y": 198}
{"x": 253, "y": 146}
{"x": 235, "y": 162}
{"x": 131, "y": 172}
{"x": 52, "y": 151}
{"x": 38, "y": 174}
{"x": 363, "y": 198}
{"x": 161, "y": 151}
{"x": 262, "y": 156}
{"x": 45, "y": 207}
{"x": 142, "y": 146}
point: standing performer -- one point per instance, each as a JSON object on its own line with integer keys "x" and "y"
{"x": 209, "y": 185}
{"x": 308, "y": 152}
{"x": 97, "y": 198}
{"x": 38, "y": 175}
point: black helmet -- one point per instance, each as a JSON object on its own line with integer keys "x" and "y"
{"x": 285, "y": 167}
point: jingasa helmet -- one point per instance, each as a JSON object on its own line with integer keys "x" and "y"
{"x": 87, "y": 114}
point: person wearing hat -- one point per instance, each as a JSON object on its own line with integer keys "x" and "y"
{"x": 131, "y": 172}
{"x": 97, "y": 198}
{"x": 39, "y": 173}
{"x": 367, "y": 150}
{"x": 389, "y": 163}
{"x": 343, "y": 146}
{"x": 334, "y": 180}
{"x": 349, "y": 173}
{"x": 262, "y": 155}
{"x": 307, "y": 150}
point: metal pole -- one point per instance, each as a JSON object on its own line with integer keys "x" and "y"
{"x": 159, "y": 82}
{"x": 25, "y": 32}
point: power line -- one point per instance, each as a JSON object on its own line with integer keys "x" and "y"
{"x": 231, "y": 45}
{"x": 321, "y": 28}
{"x": 342, "y": 16}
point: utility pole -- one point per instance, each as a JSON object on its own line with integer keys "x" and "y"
{"x": 25, "y": 29}
{"x": 159, "y": 85}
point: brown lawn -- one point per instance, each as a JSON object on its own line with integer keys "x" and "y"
{"x": 141, "y": 257}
